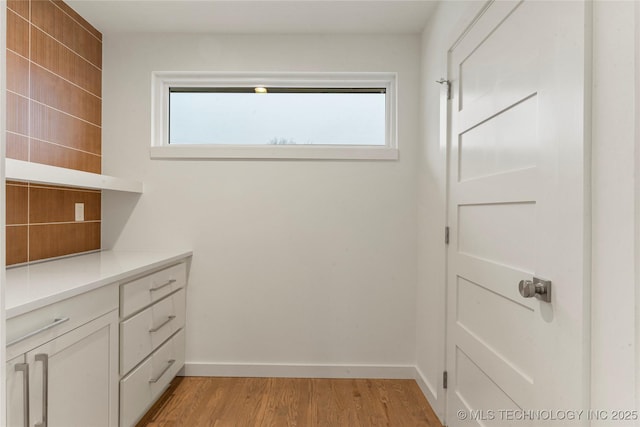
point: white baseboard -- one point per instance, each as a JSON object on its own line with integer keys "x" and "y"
{"x": 426, "y": 387}
{"x": 429, "y": 392}
{"x": 299, "y": 371}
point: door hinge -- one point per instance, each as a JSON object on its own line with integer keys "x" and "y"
{"x": 448, "y": 83}
{"x": 444, "y": 380}
{"x": 446, "y": 235}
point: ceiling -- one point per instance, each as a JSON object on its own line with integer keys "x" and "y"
{"x": 262, "y": 16}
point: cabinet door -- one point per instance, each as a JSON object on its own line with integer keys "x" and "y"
{"x": 17, "y": 392}
{"x": 74, "y": 377}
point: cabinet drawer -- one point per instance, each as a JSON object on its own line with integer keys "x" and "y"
{"x": 145, "y": 331}
{"x": 50, "y": 320}
{"x": 139, "y": 293}
{"x": 143, "y": 385}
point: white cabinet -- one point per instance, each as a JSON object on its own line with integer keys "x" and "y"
{"x": 72, "y": 377}
{"x": 64, "y": 373}
{"x": 146, "y": 290}
{"x": 147, "y": 330}
{"x": 152, "y": 319}
{"x": 143, "y": 385}
{"x": 93, "y": 340}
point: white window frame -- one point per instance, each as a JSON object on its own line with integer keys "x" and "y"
{"x": 162, "y": 81}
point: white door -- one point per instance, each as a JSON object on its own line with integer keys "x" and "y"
{"x": 517, "y": 210}
{"x": 75, "y": 377}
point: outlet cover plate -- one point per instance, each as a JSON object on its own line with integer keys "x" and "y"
{"x": 79, "y": 211}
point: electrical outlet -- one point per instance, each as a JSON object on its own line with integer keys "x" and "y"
{"x": 79, "y": 211}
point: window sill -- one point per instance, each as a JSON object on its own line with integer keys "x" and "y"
{"x": 291, "y": 152}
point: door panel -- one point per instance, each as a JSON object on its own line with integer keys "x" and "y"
{"x": 516, "y": 210}
{"x": 503, "y": 143}
{"x": 496, "y": 232}
{"x": 498, "y": 66}
{"x": 511, "y": 342}
{"x": 477, "y": 389}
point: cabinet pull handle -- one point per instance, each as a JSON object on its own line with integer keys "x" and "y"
{"x": 55, "y": 323}
{"x": 44, "y": 358}
{"x": 157, "y": 328}
{"x": 164, "y": 285}
{"x": 156, "y": 379}
{"x": 24, "y": 368}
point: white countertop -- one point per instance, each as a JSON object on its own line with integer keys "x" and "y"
{"x": 37, "y": 285}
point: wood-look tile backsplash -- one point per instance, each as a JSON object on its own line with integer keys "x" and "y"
{"x": 54, "y": 104}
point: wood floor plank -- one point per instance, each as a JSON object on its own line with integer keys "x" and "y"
{"x": 287, "y": 403}
{"x": 291, "y": 402}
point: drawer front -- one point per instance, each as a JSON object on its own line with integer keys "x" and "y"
{"x": 140, "y": 389}
{"x": 139, "y": 293}
{"x": 144, "y": 332}
{"x": 50, "y": 320}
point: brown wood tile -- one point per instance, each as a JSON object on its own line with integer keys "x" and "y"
{"x": 17, "y": 34}
{"x": 47, "y": 205}
{"x": 78, "y": 18}
{"x": 58, "y": 78}
{"x": 53, "y": 240}
{"x": 21, "y": 7}
{"x": 17, "y": 241}
{"x": 60, "y": 128}
{"x": 17, "y": 114}
{"x": 19, "y": 183}
{"x": 49, "y": 89}
{"x": 50, "y": 54}
{"x": 17, "y": 204}
{"x": 52, "y": 20}
{"x": 55, "y": 155}
{"x": 17, "y": 73}
{"x": 17, "y": 147}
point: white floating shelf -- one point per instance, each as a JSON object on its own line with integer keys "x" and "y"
{"x": 43, "y": 174}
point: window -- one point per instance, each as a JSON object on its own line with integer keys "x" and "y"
{"x": 306, "y": 116}
{"x": 277, "y": 116}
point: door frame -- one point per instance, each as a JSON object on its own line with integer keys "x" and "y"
{"x": 473, "y": 13}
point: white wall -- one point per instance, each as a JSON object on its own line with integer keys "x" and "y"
{"x": 437, "y": 38}
{"x": 615, "y": 219}
{"x": 295, "y": 262}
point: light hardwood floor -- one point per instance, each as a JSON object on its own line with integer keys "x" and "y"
{"x": 244, "y": 402}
